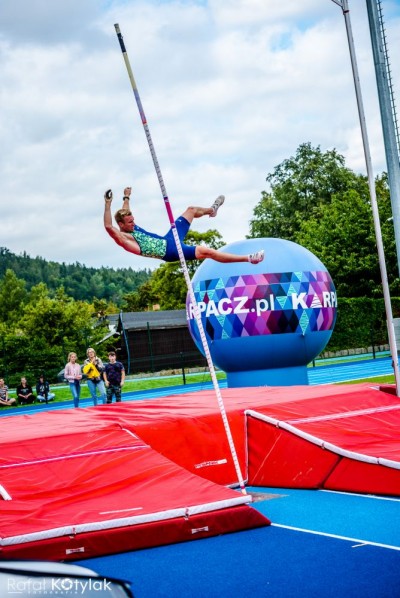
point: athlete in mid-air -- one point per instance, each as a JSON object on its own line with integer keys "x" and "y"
{"x": 135, "y": 239}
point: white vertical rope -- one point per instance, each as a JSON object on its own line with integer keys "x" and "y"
{"x": 183, "y": 264}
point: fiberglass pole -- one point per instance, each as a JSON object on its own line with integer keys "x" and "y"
{"x": 183, "y": 263}
{"x": 374, "y": 204}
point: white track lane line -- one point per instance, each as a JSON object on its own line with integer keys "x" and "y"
{"x": 356, "y": 541}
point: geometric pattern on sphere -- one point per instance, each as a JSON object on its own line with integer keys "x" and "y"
{"x": 260, "y": 304}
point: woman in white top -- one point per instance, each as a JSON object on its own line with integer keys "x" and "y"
{"x": 73, "y": 374}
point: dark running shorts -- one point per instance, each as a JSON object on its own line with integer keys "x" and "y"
{"x": 171, "y": 253}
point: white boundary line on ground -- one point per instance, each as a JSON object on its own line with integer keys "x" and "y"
{"x": 357, "y": 541}
{"x": 371, "y": 496}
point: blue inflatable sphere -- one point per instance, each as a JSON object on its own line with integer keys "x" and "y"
{"x": 264, "y": 323}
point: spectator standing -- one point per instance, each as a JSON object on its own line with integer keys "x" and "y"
{"x": 25, "y": 393}
{"x": 5, "y": 400}
{"x": 73, "y": 375}
{"x": 114, "y": 378}
{"x": 43, "y": 390}
{"x": 93, "y": 367}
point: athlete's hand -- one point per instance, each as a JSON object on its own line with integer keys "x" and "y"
{"x": 127, "y": 191}
{"x": 108, "y": 196}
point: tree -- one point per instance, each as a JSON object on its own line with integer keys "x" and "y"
{"x": 341, "y": 235}
{"x": 319, "y": 203}
{"x": 45, "y": 330}
{"x": 169, "y": 285}
{"x": 299, "y": 186}
{"x": 141, "y": 300}
{"x": 58, "y": 321}
{"x": 12, "y": 297}
{"x": 80, "y": 282}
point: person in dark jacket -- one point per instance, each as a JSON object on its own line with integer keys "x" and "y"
{"x": 25, "y": 394}
{"x": 114, "y": 378}
{"x": 43, "y": 390}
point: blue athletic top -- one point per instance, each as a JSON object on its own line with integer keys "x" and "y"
{"x": 150, "y": 245}
{"x": 164, "y": 248}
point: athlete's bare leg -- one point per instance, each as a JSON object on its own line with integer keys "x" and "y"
{"x": 196, "y": 212}
{"x": 227, "y": 258}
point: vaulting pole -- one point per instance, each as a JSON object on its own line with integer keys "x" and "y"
{"x": 183, "y": 263}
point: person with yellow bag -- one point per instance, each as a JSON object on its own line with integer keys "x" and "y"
{"x": 93, "y": 369}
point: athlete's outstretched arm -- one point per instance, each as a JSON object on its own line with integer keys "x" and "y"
{"x": 107, "y": 210}
{"x": 127, "y": 196}
{"x": 125, "y": 240}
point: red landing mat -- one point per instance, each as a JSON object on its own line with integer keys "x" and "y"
{"x": 347, "y": 442}
{"x": 89, "y": 487}
{"x": 353, "y": 440}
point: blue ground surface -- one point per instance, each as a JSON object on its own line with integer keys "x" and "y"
{"x": 320, "y": 544}
{"x": 360, "y": 518}
{"x": 351, "y": 370}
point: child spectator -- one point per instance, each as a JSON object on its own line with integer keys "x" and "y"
{"x": 43, "y": 390}
{"x": 114, "y": 378}
{"x": 5, "y": 400}
{"x": 73, "y": 374}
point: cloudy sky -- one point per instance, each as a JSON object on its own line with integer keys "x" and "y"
{"x": 230, "y": 88}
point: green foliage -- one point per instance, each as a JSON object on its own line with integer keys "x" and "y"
{"x": 12, "y": 297}
{"x": 361, "y": 322}
{"x": 80, "y": 282}
{"x": 45, "y": 328}
{"x": 322, "y": 205}
{"x": 299, "y": 185}
{"x": 342, "y": 236}
{"x": 169, "y": 285}
{"x": 141, "y": 300}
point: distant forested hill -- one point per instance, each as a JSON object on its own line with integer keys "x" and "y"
{"x": 79, "y": 281}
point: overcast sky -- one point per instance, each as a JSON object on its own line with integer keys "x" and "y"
{"x": 230, "y": 88}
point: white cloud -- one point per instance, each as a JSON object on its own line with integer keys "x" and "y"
{"x": 230, "y": 89}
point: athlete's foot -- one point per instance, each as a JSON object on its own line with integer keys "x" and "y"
{"x": 257, "y": 257}
{"x": 217, "y": 204}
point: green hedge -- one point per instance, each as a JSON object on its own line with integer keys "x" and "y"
{"x": 361, "y": 322}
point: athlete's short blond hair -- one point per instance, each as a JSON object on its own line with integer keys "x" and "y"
{"x": 120, "y": 215}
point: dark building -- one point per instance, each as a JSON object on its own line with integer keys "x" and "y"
{"x": 152, "y": 341}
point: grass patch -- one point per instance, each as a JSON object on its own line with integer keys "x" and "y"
{"x": 375, "y": 380}
{"x": 346, "y": 359}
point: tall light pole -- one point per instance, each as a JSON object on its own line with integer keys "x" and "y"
{"x": 344, "y": 5}
{"x": 388, "y": 115}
